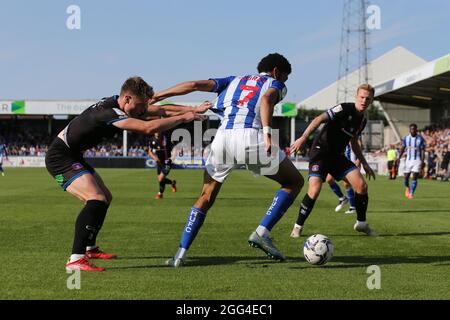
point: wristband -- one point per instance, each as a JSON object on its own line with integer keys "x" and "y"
{"x": 267, "y": 130}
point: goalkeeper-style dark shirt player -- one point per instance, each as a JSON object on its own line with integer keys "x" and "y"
{"x": 64, "y": 160}
{"x": 343, "y": 124}
{"x": 160, "y": 149}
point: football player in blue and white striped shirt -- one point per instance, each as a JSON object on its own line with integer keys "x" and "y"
{"x": 414, "y": 144}
{"x": 3, "y": 153}
{"x": 246, "y": 104}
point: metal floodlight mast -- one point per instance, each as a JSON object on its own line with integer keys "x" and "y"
{"x": 354, "y": 50}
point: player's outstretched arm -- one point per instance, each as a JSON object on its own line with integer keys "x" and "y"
{"x": 170, "y": 110}
{"x": 158, "y": 125}
{"x": 184, "y": 88}
{"x": 300, "y": 142}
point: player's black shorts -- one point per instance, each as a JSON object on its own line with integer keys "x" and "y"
{"x": 390, "y": 164}
{"x": 64, "y": 165}
{"x": 164, "y": 168}
{"x": 322, "y": 164}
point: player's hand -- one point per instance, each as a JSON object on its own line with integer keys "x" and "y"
{"x": 369, "y": 171}
{"x": 192, "y": 116}
{"x": 205, "y": 106}
{"x": 268, "y": 143}
{"x": 297, "y": 145}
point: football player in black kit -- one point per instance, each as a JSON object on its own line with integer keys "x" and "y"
{"x": 160, "y": 149}
{"x": 343, "y": 124}
{"x": 64, "y": 160}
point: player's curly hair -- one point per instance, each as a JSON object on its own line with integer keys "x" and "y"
{"x": 137, "y": 86}
{"x": 274, "y": 60}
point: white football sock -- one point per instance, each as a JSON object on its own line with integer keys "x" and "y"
{"x": 88, "y": 248}
{"x": 75, "y": 257}
{"x": 262, "y": 231}
{"x": 181, "y": 253}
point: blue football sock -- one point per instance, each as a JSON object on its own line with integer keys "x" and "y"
{"x": 407, "y": 182}
{"x": 193, "y": 224}
{"x": 281, "y": 202}
{"x": 413, "y": 186}
{"x": 337, "y": 191}
{"x": 351, "y": 197}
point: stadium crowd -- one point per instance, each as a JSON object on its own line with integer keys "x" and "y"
{"x": 28, "y": 141}
{"x": 109, "y": 149}
{"x": 437, "y": 139}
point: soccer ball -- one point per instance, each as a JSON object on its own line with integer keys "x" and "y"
{"x": 318, "y": 249}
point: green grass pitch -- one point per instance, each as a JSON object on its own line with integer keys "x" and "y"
{"x": 37, "y": 222}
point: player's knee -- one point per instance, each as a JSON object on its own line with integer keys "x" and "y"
{"x": 98, "y": 197}
{"x": 293, "y": 190}
{"x": 109, "y": 198}
{"x": 362, "y": 188}
{"x": 294, "y": 185}
{"x": 206, "y": 200}
{"x": 314, "y": 191}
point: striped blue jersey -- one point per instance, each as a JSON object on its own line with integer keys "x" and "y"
{"x": 3, "y": 152}
{"x": 239, "y": 99}
{"x": 413, "y": 146}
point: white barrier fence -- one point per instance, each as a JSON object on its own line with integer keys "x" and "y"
{"x": 24, "y": 162}
{"x": 378, "y": 164}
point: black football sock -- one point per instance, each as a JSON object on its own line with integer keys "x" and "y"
{"x": 88, "y": 224}
{"x": 167, "y": 181}
{"x": 102, "y": 216}
{"x": 305, "y": 209}
{"x": 162, "y": 187}
{"x": 361, "y": 203}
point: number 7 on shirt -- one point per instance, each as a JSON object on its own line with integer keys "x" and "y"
{"x": 252, "y": 92}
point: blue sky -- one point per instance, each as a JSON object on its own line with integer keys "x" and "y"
{"x": 171, "y": 41}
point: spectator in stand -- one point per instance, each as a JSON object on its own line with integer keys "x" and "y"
{"x": 431, "y": 165}
{"x": 444, "y": 164}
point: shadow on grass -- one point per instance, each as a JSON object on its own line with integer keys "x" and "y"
{"x": 247, "y": 261}
{"x": 409, "y": 234}
{"x": 363, "y": 261}
{"x": 345, "y": 262}
{"x": 410, "y": 211}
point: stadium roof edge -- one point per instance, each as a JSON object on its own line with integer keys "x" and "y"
{"x": 425, "y": 86}
{"x": 385, "y": 66}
